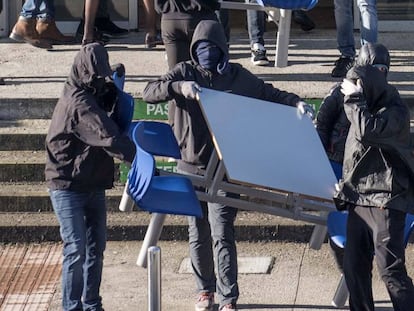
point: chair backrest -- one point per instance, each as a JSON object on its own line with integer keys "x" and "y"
{"x": 142, "y": 170}
{"x": 336, "y": 224}
{"x": 124, "y": 111}
{"x": 156, "y": 138}
{"x": 289, "y": 4}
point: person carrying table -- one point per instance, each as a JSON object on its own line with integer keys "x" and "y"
{"x": 210, "y": 68}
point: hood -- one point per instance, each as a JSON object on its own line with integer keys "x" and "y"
{"x": 90, "y": 64}
{"x": 209, "y": 30}
{"x": 373, "y": 54}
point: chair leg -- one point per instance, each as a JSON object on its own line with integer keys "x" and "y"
{"x": 151, "y": 237}
{"x": 341, "y": 294}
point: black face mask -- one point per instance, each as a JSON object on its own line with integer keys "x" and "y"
{"x": 108, "y": 97}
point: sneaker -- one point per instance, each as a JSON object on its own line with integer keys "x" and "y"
{"x": 229, "y": 307}
{"x": 342, "y": 65}
{"x": 259, "y": 55}
{"x": 153, "y": 41}
{"x": 205, "y": 302}
{"x": 108, "y": 28}
{"x": 302, "y": 19}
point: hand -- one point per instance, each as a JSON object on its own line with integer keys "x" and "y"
{"x": 348, "y": 87}
{"x": 189, "y": 89}
{"x": 305, "y": 108}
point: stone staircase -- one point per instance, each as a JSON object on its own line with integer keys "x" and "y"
{"x": 26, "y": 213}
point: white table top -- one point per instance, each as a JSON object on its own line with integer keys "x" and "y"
{"x": 267, "y": 144}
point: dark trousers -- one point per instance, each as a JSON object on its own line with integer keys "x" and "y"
{"x": 177, "y": 35}
{"x": 381, "y": 232}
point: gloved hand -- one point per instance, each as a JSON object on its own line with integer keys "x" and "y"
{"x": 348, "y": 87}
{"x": 305, "y": 108}
{"x": 189, "y": 89}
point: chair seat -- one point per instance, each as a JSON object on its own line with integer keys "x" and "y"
{"x": 171, "y": 195}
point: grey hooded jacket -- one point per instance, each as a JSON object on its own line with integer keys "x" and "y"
{"x": 82, "y": 139}
{"x": 185, "y": 116}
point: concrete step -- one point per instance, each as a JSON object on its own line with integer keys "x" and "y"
{"x": 34, "y": 197}
{"x": 26, "y": 108}
{"x": 23, "y": 134}
{"x": 249, "y": 226}
{"x": 28, "y": 166}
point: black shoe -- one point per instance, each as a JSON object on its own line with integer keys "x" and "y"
{"x": 98, "y": 36}
{"x": 152, "y": 42}
{"x": 342, "y": 65}
{"x": 108, "y": 28}
{"x": 302, "y": 19}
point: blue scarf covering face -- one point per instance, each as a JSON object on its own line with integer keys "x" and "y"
{"x": 211, "y": 57}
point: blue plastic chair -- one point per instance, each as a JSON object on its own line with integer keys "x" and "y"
{"x": 289, "y": 4}
{"x": 336, "y": 223}
{"x": 159, "y": 194}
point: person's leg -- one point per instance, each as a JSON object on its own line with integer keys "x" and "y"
{"x": 46, "y": 25}
{"x": 344, "y": 36}
{"x": 223, "y": 17}
{"x": 69, "y": 210}
{"x": 255, "y": 25}
{"x": 91, "y": 7}
{"x": 25, "y": 28}
{"x": 344, "y": 27}
{"x": 177, "y": 35}
{"x": 369, "y": 20}
{"x": 221, "y": 220}
{"x": 201, "y": 255}
{"x": 152, "y": 37}
{"x": 388, "y": 233}
{"x": 358, "y": 256}
{"x": 104, "y": 24}
{"x": 256, "y": 28}
{"x": 95, "y": 216}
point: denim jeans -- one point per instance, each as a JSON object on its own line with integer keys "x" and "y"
{"x": 255, "y": 25}
{"x": 38, "y": 9}
{"x": 82, "y": 219}
{"x": 345, "y": 24}
{"x": 213, "y": 237}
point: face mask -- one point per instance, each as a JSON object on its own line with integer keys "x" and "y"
{"x": 108, "y": 97}
{"x": 208, "y": 55}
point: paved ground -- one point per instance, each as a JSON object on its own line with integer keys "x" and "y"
{"x": 34, "y": 73}
{"x": 300, "y": 278}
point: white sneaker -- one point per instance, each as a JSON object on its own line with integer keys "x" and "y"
{"x": 205, "y": 302}
{"x": 259, "y": 55}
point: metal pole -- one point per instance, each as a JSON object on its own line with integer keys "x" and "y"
{"x": 151, "y": 237}
{"x": 154, "y": 278}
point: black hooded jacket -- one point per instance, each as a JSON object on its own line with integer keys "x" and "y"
{"x": 187, "y": 120}
{"x": 374, "y": 174}
{"x": 82, "y": 139}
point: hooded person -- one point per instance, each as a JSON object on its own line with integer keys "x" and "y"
{"x": 332, "y": 123}
{"x": 376, "y": 188}
{"x": 80, "y": 146}
{"x": 209, "y": 68}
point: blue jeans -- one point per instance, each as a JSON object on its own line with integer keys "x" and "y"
{"x": 213, "y": 236}
{"x": 38, "y": 9}
{"x": 255, "y": 25}
{"x": 82, "y": 219}
{"x": 345, "y": 24}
